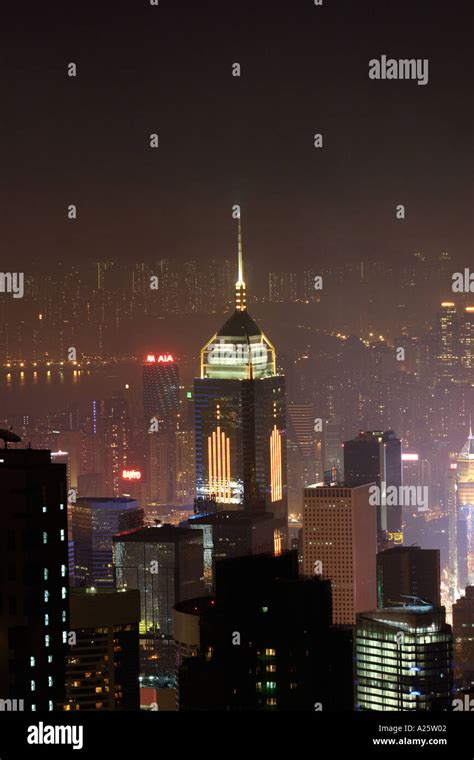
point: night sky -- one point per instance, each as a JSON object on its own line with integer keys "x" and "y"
{"x": 226, "y": 140}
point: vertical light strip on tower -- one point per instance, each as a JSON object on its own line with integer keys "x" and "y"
{"x": 275, "y": 465}
{"x": 218, "y": 447}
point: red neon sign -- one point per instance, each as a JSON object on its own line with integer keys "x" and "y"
{"x": 131, "y": 474}
{"x": 162, "y": 359}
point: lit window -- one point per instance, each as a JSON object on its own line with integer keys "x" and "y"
{"x": 63, "y": 616}
{"x": 45, "y": 509}
{"x": 45, "y": 537}
{"x": 270, "y": 652}
{"x": 33, "y": 686}
{"x": 50, "y": 705}
{"x": 46, "y": 596}
{"x": 33, "y": 707}
{"x": 63, "y": 592}
{"x": 46, "y": 640}
{"x": 46, "y": 619}
{"x": 50, "y": 680}
{"x": 64, "y": 637}
{"x": 61, "y": 506}
{"x": 62, "y": 534}
{"x": 32, "y": 662}
{"x": 63, "y": 571}
{"x": 45, "y": 573}
{"x": 50, "y": 658}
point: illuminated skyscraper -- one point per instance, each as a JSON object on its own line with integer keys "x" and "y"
{"x": 161, "y": 408}
{"x": 160, "y": 387}
{"x": 404, "y": 659}
{"x": 240, "y": 420}
{"x": 448, "y": 339}
{"x": 465, "y": 509}
{"x": 466, "y": 340}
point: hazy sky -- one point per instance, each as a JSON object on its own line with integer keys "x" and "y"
{"x": 225, "y": 139}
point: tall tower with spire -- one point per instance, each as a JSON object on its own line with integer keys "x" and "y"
{"x": 465, "y": 511}
{"x": 240, "y": 419}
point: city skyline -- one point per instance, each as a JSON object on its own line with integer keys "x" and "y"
{"x": 237, "y": 372}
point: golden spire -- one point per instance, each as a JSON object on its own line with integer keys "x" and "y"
{"x": 240, "y": 295}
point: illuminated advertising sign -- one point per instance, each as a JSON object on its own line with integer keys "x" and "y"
{"x": 161, "y": 359}
{"x": 410, "y": 457}
{"x": 131, "y": 474}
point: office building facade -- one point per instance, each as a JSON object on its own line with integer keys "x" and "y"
{"x": 340, "y": 543}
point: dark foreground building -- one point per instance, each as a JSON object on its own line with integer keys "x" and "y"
{"x": 33, "y": 578}
{"x": 265, "y": 642}
{"x": 405, "y": 571}
{"x": 229, "y": 534}
{"x": 103, "y": 662}
{"x": 375, "y": 457}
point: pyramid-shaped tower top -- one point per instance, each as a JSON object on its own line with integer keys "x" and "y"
{"x": 239, "y": 350}
{"x": 467, "y": 450}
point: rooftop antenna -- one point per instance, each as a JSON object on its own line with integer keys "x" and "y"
{"x": 240, "y": 296}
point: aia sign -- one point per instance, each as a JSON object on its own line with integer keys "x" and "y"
{"x": 162, "y": 359}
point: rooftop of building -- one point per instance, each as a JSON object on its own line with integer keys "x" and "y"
{"x": 230, "y": 516}
{"x": 368, "y": 436}
{"x": 195, "y": 606}
{"x": 468, "y": 448}
{"x": 157, "y": 535}
{"x": 322, "y": 484}
{"x": 106, "y": 499}
{"x": 240, "y": 325}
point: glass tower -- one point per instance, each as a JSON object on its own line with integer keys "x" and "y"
{"x": 240, "y": 420}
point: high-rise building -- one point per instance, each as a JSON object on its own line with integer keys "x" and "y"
{"x": 466, "y": 340}
{"x": 166, "y": 565}
{"x": 240, "y": 420}
{"x": 463, "y": 633}
{"x": 340, "y": 543}
{"x": 465, "y": 509}
{"x": 161, "y": 407}
{"x": 265, "y": 642}
{"x": 34, "y": 616}
{"x": 229, "y": 534}
{"x": 332, "y": 451}
{"x": 407, "y": 571}
{"x": 448, "y": 349}
{"x": 452, "y": 512}
{"x": 110, "y": 441}
{"x": 103, "y": 662}
{"x": 160, "y": 388}
{"x": 282, "y": 287}
{"x": 185, "y": 466}
{"x": 375, "y": 457}
{"x": 404, "y": 659}
{"x": 303, "y": 453}
{"x": 93, "y": 523}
